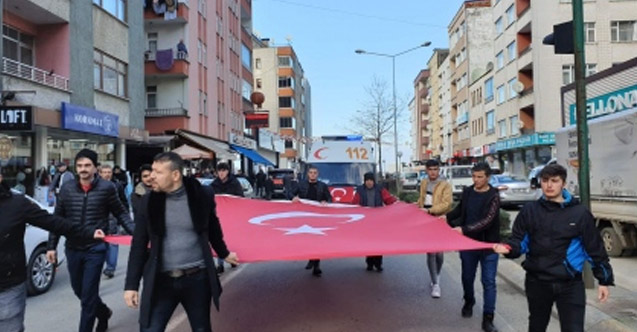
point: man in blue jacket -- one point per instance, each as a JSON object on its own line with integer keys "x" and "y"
{"x": 557, "y": 234}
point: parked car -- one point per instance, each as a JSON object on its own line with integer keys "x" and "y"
{"x": 248, "y": 192}
{"x": 205, "y": 181}
{"x": 458, "y": 176}
{"x": 410, "y": 181}
{"x": 533, "y": 174}
{"x": 40, "y": 273}
{"x": 278, "y": 178}
{"x": 514, "y": 190}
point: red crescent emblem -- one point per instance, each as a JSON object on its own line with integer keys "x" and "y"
{"x": 317, "y": 153}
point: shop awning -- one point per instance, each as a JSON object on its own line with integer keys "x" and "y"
{"x": 253, "y": 155}
{"x": 222, "y": 150}
{"x": 188, "y": 152}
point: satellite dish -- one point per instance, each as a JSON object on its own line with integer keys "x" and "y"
{"x": 489, "y": 66}
{"x": 520, "y": 124}
{"x": 518, "y": 87}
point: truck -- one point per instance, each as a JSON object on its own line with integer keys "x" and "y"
{"x": 341, "y": 161}
{"x": 613, "y": 176}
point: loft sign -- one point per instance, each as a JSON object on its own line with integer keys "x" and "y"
{"x": 16, "y": 118}
{"x": 617, "y": 101}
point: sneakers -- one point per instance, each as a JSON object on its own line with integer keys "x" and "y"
{"x": 220, "y": 269}
{"x": 109, "y": 274}
{"x": 102, "y": 319}
{"x": 435, "y": 291}
{"x": 487, "y": 323}
{"x": 317, "y": 271}
{"x": 370, "y": 267}
{"x": 467, "y": 308}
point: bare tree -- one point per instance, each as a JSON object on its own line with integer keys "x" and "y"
{"x": 376, "y": 119}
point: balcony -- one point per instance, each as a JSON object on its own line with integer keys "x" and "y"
{"x": 462, "y": 118}
{"x": 152, "y": 18}
{"x": 166, "y": 112}
{"x": 290, "y": 153}
{"x": 179, "y": 68}
{"x": 40, "y": 11}
{"x": 33, "y": 74}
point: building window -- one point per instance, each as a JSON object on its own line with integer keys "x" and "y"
{"x": 246, "y": 57}
{"x": 502, "y": 125}
{"x": 257, "y": 63}
{"x": 286, "y": 102}
{"x": 491, "y": 122}
{"x": 568, "y": 72}
{"x": 17, "y": 46}
{"x": 152, "y": 41}
{"x": 511, "y": 51}
{"x": 286, "y": 82}
{"x": 287, "y": 122}
{"x": 510, "y": 13}
{"x": 501, "y": 94}
{"x": 511, "y": 83}
{"x": 151, "y": 96}
{"x": 499, "y": 26}
{"x": 591, "y": 69}
{"x": 461, "y": 56}
{"x": 499, "y": 59}
{"x": 116, "y": 8}
{"x": 488, "y": 90}
{"x": 589, "y": 32}
{"x": 246, "y": 89}
{"x": 285, "y": 61}
{"x": 109, "y": 74}
{"x": 623, "y": 31}
{"x": 259, "y": 83}
{"x": 515, "y": 129}
{"x": 289, "y": 144}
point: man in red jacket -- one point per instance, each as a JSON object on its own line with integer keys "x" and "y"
{"x": 373, "y": 195}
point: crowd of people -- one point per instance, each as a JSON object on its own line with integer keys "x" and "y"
{"x": 175, "y": 224}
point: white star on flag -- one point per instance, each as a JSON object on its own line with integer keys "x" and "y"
{"x": 306, "y": 229}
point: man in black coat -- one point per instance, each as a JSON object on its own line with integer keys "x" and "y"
{"x": 225, "y": 184}
{"x": 314, "y": 190}
{"x": 106, "y": 173}
{"x": 178, "y": 221}
{"x": 142, "y": 188}
{"x": 17, "y": 210}
{"x": 88, "y": 202}
{"x": 260, "y": 182}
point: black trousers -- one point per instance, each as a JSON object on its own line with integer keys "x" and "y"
{"x": 374, "y": 260}
{"x": 569, "y": 296}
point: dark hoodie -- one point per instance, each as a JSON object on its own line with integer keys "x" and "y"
{"x": 232, "y": 186}
{"x": 17, "y": 211}
{"x": 557, "y": 239}
{"x": 487, "y": 227}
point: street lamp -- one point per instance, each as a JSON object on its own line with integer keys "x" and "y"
{"x": 393, "y": 64}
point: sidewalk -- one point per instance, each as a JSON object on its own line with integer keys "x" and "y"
{"x": 619, "y": 314}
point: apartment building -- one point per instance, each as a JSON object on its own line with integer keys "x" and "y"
{"x": 446, "y": 131}
{"x": 482, "y": 120}
{"x": 71, "y": 79}
{"x": 422, "y": 117}
{"x": 435, "y": 87}
{"x": 470, "y": 50}
{"x": 278, "y": 74}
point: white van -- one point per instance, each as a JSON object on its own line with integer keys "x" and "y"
{"x": 459, "y": 176}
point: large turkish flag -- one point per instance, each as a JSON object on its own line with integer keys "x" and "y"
{"x": 281, "y": 230}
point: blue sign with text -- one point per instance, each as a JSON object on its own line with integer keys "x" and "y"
{"x": 88, "y": 120}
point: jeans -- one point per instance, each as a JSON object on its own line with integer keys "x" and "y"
{"x": 85, "y": 270}
{"x": 111, "y": 257}
{"x": 434, "y": 263}
{"x": 192, "y": 291}
{"x": 12, "y": 305}
{"x": 569, "y": 296}
{"x": 488, "y": 267}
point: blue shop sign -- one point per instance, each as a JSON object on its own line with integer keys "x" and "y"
{"x": 616, "y": 101}
{"x": 526, "y": 141}
{"x": 89, "y": 120}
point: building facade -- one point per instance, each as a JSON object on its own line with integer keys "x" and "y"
{"x": 434, "y": 85}
{"x": 422, "y": 117}
{"x": 73, "y": 71}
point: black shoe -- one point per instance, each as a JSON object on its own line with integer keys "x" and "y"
{"x": 109, "y": 274}
{"x": 102, "y": 320}
{"x": 487, "y": 323}
{"x": 379, "y": 268}
{"x": 370, "y": 267}
{"x": 310, "y": 264}
{"x": 467, "y": 308}
{"x": 317, "y": 272}
{"x": 234, "y": 266}
{"x": 220, "y": 269}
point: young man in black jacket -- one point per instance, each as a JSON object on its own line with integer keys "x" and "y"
{"x": 176, "y": 226}
{"x": 88, "y": 202}
{"x": 314, "y": 190}
{"x": 478, "y": 217}
{"x": 17, "y": 210}
{"x": 557, "y": 234}
{"x": 225, "y": 184}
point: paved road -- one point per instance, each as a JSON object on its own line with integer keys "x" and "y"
{"x": 282, "y": 296}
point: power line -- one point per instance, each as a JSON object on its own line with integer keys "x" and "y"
{"x": 345, "y": 12}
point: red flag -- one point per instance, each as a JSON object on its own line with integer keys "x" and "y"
{"x": 260, "y": 230}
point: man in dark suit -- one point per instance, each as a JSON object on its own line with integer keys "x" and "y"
{"x": 178, "y": 221}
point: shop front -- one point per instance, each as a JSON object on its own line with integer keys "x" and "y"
{"x": 16, "y": 147}
{"x": 521, "y": 154}
{"x": 250, "y": 158}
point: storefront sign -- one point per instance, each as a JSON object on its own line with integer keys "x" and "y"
{"x": 16, "y": 118}
{"x": 271, "y": 141}
{"x": 257, "y": 120}
{"x": 242, "y": 141}
{"x": 477, "y": 151}
{"x": 89, "y": 120}
{"x": 526, "y": 141}
{"x": 617, "y": 101}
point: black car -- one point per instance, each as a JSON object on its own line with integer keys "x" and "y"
{"x": 281, "y": 177}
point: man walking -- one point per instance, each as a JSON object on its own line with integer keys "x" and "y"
{"x": 372, "y": 195}
{"x": 63, "y": 175}
{"x": 477, "y": 216}
{"x": 106, "y": 173}
{"x": 436, "y": 197}
{"x": 314, "y": 190}
{"x": 225, "y": 184}
{"x": 557, "y": 234}
{"x": 179, "y": 224}
{"x": 88, "y": 202}
{"x": 142, "y": 188}
{"x": 18, "y": 210}
{"x": 261, "y": 178}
